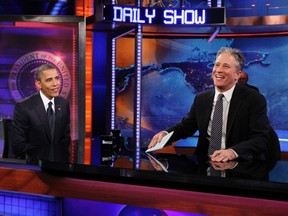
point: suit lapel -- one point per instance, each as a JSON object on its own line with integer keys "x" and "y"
{"x": 235, "y": 105}
{"x": 207, "y": 109}
{"x": 58, "y": 115}
{"x": 41, "y": 112}
{"x": 210, "y": 105}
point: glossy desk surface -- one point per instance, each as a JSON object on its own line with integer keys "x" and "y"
{"x": 256, "y": 179}
{"x": 247, "y": 189}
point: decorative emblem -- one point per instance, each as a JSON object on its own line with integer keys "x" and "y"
{"x": 22, "y": 75}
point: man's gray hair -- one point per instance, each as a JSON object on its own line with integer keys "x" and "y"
{"x": 236, "y": 53}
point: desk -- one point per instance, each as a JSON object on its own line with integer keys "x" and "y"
{"x": 186, "y": 191}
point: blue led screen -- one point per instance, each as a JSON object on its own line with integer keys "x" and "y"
{"x": 175, "y": 70}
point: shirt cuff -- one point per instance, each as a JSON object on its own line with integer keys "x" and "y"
{"x": 235, "y": 153}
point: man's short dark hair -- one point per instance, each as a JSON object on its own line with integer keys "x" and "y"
{"x": 42, "y": 68}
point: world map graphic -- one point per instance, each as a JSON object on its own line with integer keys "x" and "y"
{"x": 169, "y": 88}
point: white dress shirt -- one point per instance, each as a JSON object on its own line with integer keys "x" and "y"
{"x": 226, "y": 104}
{"x": 45, "y": 101}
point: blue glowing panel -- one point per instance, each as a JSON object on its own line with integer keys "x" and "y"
{"x": 77, "y": 207}
{"x": 12, "y": 203}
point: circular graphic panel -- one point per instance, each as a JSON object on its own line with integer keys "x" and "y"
{"x": 22, "y": 75}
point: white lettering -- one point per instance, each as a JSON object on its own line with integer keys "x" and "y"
{"x": 198, "y": 20}
{"x": 180, "y": 17}
{"x": 168, "y": 17}
{"x": 117, "y": 14}
{"x": 150, "y": 16}
{"x": 135, "y": 10}
{"x": 124, "y": 14}
{"x": 127, "y": 12}
{"x": 187, "y": 17}
{"x": 139, "y": 18}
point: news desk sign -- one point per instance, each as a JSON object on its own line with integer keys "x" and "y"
{"x": 164, "y": 16}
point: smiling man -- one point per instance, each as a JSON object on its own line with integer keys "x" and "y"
{"x": 34, "y": 136}
{"x": 245, "y": 128}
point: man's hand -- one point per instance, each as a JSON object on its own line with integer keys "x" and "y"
{"x": 223, "y": 165}
{"x": 157, "y": 138}
{"x": 223, "y": 155}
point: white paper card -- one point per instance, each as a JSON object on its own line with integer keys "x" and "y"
{"x": 161, "y": 144}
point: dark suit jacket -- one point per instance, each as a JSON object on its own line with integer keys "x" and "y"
{"x": 31, "y": 133}
{"x": 251, "y": 86}
{"x": 247, "y": 125}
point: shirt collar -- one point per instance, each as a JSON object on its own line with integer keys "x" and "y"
{"x": 227, "y": 94}
{"x": 45, "y": 99}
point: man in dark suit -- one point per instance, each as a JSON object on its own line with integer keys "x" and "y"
{"x": 246, "y": 126}
{"x": 243, "y": 80}
{"x": 31, "y": 134}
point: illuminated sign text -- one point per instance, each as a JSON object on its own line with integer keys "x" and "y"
{"x": 164, "y": 16}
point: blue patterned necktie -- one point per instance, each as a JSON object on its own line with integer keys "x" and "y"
{"x": 216, "y": 129}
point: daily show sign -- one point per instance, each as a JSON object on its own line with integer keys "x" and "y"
{"x": 162, "y": 16}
